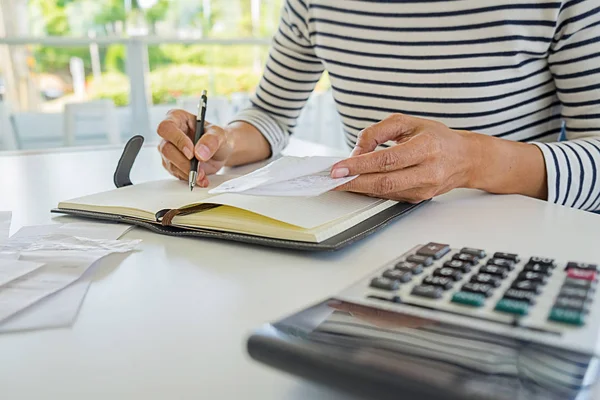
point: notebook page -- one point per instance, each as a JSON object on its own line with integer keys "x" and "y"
{"x": 305, "y": 212}
{"x": 150, "y": 197}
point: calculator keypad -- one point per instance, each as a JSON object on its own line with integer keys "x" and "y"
{"x": 503, "y": 283}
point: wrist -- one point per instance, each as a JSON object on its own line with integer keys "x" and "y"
{"x": 506, "y": 167}
{"x": 247, "y": 144}
{"x": 474, "y": 159}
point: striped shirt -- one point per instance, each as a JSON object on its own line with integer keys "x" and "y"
{"x": 522, "y": 70}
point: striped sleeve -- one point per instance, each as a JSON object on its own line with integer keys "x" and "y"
{"x": 290, "y": 75}
{"x": 573, "y": 165}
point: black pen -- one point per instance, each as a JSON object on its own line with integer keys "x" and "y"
{"x": 199, "y": 133}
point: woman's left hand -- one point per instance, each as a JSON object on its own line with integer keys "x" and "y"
{"x": 428, "y": 159}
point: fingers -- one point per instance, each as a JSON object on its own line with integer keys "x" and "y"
{"x": 401, "y": 156}
{"x": 391, "y": 128}
{"x": 210, "y": 143}
{"x": 176, "y": 163}
{"x": 384, "y": 184}
{"x": 173, "y": 155}
{"x": 176, "y": 129}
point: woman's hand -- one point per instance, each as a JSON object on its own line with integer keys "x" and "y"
{"x": 177, "y": 148}
{"x": 428, "y": 159}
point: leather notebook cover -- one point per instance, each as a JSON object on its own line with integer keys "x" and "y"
{"x": 337, "y": 242}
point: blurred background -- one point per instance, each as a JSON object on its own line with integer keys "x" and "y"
{"x": 89, "y": 72}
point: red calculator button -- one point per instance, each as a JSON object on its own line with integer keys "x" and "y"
{"x": 581, "y": 274}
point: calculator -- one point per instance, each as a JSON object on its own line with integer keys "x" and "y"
{"x": 530, "y": 297}
{"x": 444, "y": 322}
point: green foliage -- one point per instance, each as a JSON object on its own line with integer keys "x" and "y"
{"x": 177, "y": 69}
{"x": 55, "y": 16}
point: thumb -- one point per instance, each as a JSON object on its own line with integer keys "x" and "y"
{"x": 394, "y": 127}
{"x": 214, "y": 137}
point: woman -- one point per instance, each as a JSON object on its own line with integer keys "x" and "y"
{"x": 453, "y": 93}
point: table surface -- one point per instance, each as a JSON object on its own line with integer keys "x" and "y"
{"x": 171, "y": 321}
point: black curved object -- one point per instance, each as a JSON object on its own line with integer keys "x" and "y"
{"x": 130, "y": 152}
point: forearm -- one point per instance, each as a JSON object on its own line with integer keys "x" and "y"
{"x": 248, "y": 144}
{"x": 506, "y": 167}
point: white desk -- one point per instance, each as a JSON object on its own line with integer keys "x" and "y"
{"x": 170, "y": 322}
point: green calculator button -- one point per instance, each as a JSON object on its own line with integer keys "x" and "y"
{"x": 566, "y": 316}
{"x": 512, "y": 306}
{"x": 471, "y": 299}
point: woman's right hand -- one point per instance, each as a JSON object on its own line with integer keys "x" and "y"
{"x": 177, "y": 147}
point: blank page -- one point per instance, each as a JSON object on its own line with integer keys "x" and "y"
{"x": 151, "y": 196}
{"x": 305, "y": 212}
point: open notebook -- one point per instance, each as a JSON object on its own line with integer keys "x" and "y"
{"x": 304, "y": 219}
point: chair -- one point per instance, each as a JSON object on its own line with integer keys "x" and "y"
{"x": 8, "y": 137}
{"x": 95, "y": 121}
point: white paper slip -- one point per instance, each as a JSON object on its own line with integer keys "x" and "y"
{"x": 92, "y": 230}
{"x": 58, "y": 310}
{"x": 66, "y": 257}
{"x": 58, "y": 241}
{"x": 309, "y": 186}
{"x": 62, "y": 269}
{"x": 5, "y": 218}
{"x": 283, "y": 169}
{"x": 13, "y": 269}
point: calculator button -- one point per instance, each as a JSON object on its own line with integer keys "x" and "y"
{"x": 500, "y": 262}
{"x": 533, "y": 276}
{"x": 479, "y": 288}
{"x": 579, "y": 283}
{"x": 385, "y": 284}
{"x": 520, "y": 295}
{"x": 423, "y": 260}
{"x": 565, "y": 316}
{"x": 539, "y": 268}
{"x": 435, "y": 250}
{"x": 585, "y": 274}
{"x": 448, "y": 273}
{"x": 548, "y": 262}
{"x": 474, "y": 252}
{"x": 429, "y": 291}
{"x": 470, "y": 299}
{"x": 444, "y": 283}
{"x": 572, "y": 304}
{"x": 512, "y": 306}
{"x": 578, "y": 265}
{"x": 460, "y": 265}
{"x": 397, "y": 274}
{"x": 493, "y": 270}
{"x": 486, "y": 279}
{"x": 577, "y": 293}
{"x": 507, "y": 256}
{"x": 411, "y": 267}
{"x": 468, "y": 258}
{"x": 529, "y": 286}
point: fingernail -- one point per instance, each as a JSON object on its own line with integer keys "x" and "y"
{"x": 340, "y": 172}
{"x": 203, "y": 152}
{"x": 188, "y": 152}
